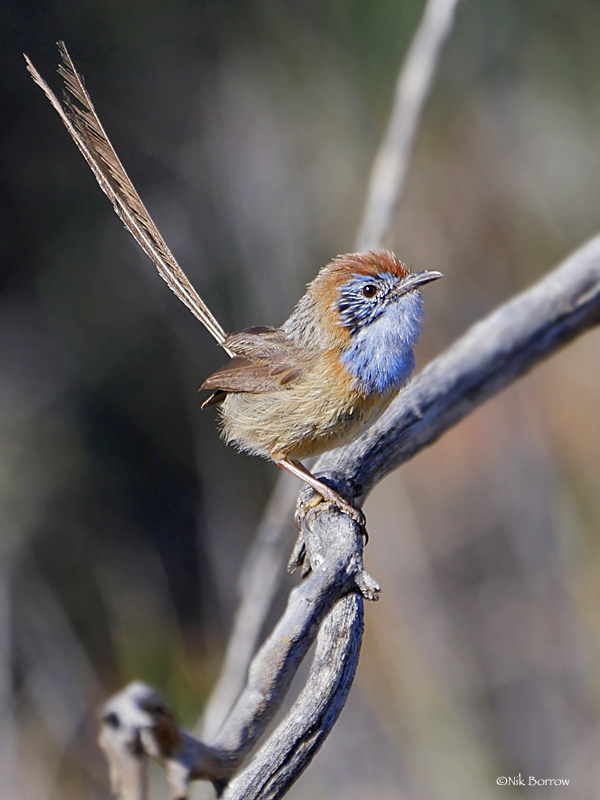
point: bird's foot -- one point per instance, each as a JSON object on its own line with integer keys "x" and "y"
{"x": 323, "y": 492}
{"x": 307, "y": 505}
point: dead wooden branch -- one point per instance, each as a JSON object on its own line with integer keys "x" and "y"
{"x": 492, "y": 354}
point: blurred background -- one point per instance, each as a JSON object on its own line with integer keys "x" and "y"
{"x": 249, "y": 129}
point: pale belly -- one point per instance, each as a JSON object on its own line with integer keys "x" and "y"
{"x": 298, "y": 422}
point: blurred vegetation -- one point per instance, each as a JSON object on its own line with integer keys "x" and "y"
{"x": 249, "y": 129}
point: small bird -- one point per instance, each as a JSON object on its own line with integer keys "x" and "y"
{"x": 316, "y": 382}
{"x": 331, "y": 369}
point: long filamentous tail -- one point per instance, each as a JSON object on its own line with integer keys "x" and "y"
{"x": 80, "y": 119}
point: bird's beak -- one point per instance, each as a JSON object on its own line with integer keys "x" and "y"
{"x": 416, "y": 280}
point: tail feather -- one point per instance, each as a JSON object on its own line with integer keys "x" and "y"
{"x": 79, "y": 117}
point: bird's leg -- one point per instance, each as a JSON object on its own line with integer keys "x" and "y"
{"x": 326, "y": 492}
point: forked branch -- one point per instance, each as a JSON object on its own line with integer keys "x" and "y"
{"x": 491, "y": 355}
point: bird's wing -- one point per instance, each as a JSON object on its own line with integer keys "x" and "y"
{"x": 264, "y": 361}
{"x": 244, "y": 375}
{"x": 262, "y": 343}
{"x": 82, "y": 122}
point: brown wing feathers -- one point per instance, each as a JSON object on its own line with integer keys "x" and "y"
{"x": 242, "y": 374}
{"x": 82, "y": 122}
{"x": 262, "y": 363}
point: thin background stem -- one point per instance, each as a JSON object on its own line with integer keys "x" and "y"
{"x": 392, "y": 162}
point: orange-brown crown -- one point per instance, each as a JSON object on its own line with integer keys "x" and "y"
{"x": 339, "y": 269}
{"x": 369, "y": 263}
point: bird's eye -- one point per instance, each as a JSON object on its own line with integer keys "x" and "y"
{"x": 369, "y": 290}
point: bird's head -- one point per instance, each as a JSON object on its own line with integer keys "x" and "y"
{"x": 368, "y": 306}
{"x": 376, "y": 284}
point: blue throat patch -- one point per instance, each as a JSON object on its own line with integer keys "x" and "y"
{"x": 380, "y": 354}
